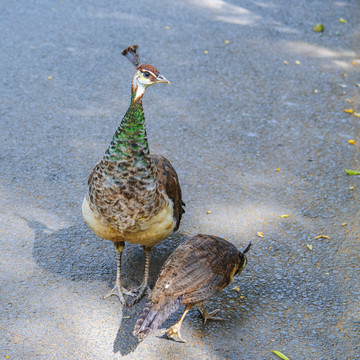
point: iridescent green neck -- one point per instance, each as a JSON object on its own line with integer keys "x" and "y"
{"x": 130, "y": 139}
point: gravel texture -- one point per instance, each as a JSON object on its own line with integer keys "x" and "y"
{"x": 233, "y": 115}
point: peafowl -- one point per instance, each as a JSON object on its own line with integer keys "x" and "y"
{"x": 196, "y": 270}
{"x": 133, "y": 195}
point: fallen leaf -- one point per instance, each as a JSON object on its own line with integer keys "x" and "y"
{"x": 226, "y": 41}
{"x": 356, "y": 114}
{"x": 206, "y": 52}
{"x": 351, "y": 188}
{"x": 260, "y": 234}
{"x": 352, "y": 141}
{"x": 350, "y": 111}
{"x": 284, "y": 216}
{"x": 297, "y": 62}
{"x": 126, "y": 317}
{"x": 316, "y": 91}
{"x": 342, "y": 21}
{"x": 242, "y": 297}
{"x": 209, "y": 212}
{"x": 50, "y": 77}
{"x": 354, "y": 63}
{"x": 278, "y": 169}
{"x": 344, "y": 224}
{"x": 286, "y": 63}
{"x": 167, "y": 27}
{"x": 270, "y": 247}
{"x": 352, "y": 172}
{"x": 280, "y": 355}
{"x": 349, "y": 101}
{"x": 319, "y": 28}
{"x": 310, "y": 247}
{"x": 236, "y": 288}
{"x": 322, "y": 237}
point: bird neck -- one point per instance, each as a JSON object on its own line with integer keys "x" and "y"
{"x": 129, "y": 144}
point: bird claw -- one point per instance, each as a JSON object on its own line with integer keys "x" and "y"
{"x": 174, "y": 331}
{"x": 209, "y": 316}
{"x": 137, "y": 293}
{"x": 119, "y": 292}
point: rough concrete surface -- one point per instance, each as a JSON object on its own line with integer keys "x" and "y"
{"x": 230, "y": 118}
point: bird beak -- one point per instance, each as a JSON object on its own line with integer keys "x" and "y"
{"x": 162, "y": 79}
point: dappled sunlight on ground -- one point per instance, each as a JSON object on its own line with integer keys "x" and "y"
{"x": 227, "y": 12}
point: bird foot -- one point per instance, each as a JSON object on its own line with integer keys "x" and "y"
{"x": 118, "y": 291}
{"x": 209, "y": 315}
{"x": 174, "y": 331}
{"x": 136, "y": 293}
{"x": 139, "y": 292}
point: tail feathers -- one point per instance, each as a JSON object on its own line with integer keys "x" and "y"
{"x": 153, "y": 316}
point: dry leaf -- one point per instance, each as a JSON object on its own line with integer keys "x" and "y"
{"x": 260, "y": 234}
{"x": 356, "y": 114}
{"x": 270, "y": 247}
{"x": 126, "y": 317}
{"x": 226, "y": 41}
{"x": 297, "y": 62}
{"x": 206, "y": 52}
{"x": 280, "y": 355}
{"x": 278, "y": 169}
{"x": 286, "y": 63}
{"x": 316, "y": 91}
{"x": 352, "y": 142}
{"x": 322, "y": 237}
{"x": 236, "y": 288}
{"x": 342, "y": 20}
{"x": 344, "y": 224}
{"x": 209, "y": 212}
{"x": 310, "y": 247}
{"x": 354, "y": 63}
{"x": 349, "y": 101}
{"x": 167, "y": 27}
{"x": 351, "y": 188}
{"x": 350, "y": 111}
{"x": 284, "y": 216}
{"x": 242, "y": 297}
{"x": 50, "y": 77}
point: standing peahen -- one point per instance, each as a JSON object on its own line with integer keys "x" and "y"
{"x": 133, "y": 196}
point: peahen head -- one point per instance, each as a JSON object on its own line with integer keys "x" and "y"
{"x": 145, "y": 74}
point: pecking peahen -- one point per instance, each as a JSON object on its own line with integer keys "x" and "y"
{"x": 195, "y": 271}
{"x": 133, "y": 195}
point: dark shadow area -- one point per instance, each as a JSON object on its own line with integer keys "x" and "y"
{"x": 77, "y": 254}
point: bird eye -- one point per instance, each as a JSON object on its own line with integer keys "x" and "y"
{"x": 146, "y": 74}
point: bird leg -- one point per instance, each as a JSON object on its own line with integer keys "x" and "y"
{"x": 209, "y": 316}
{"x": 118, "y": 289}
{"x": 174, "y": 330}
{"x": 144, "y": 289}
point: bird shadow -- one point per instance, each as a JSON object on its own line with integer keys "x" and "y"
{"x": 76, "y": 254}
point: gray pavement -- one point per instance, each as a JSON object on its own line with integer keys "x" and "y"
{"x": 229, "y": 120}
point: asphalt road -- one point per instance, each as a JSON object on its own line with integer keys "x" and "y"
{"x": 254, "y": 124}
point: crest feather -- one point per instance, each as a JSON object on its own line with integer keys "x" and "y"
{"x": 131, "y": 54}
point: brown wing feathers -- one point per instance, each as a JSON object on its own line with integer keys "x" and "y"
{"x": 169, "y": 182}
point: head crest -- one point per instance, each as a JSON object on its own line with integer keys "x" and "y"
{"x": 247, "y": 248}
{"x": 131, "y": 54}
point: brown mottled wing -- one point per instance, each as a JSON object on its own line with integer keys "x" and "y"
{"x": 196, "y": 270}
{"x": 169, "y": 181}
